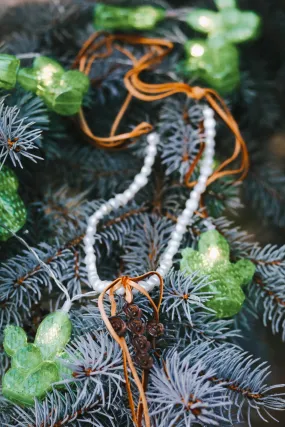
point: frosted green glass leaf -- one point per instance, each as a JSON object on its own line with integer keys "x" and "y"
{"x": 23, "y": 387}
{"x": 13, "y": 213}
{"x": 9, "y": 67}
{"x": 27, "y": 358}
{"x": 240, "y": 26}
{"x": 226, "y": 4}
{"x": 53, "y": 334}
{"x": 39, "y": 382}
{"x": 204, "y": 20}
{"x": 110, "y": 17}
{"x": 214, "y": 61}
{"x": 14, "y": 338}
{"x": 77, "y": 80}
{"x": 28, "y": 79}
{"x": 12, "y": 385}
{"x": 225, "y": 278}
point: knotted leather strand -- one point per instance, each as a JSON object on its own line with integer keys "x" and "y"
{"x": 129, "y": 284}
{"x": 156, "y": 50}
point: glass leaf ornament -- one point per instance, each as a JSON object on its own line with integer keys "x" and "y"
{"x": 9, "y": 66}
{"x": 13, "y": 213}
{"x": 212, "y": 259}
{"x": 35, "y": 367}
{"x": 62, "y": 91}
{"x": 217, "y": 60}
{"x": 110, "y": 17}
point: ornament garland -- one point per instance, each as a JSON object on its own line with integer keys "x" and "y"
{"x": 227, "y": 279}
{"x": 215, "y": 60}
{"x": 13, "y": 212}
{"x": 62, "y": 91}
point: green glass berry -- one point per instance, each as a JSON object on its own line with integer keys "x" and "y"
{"x": 9, "y": 66}
{"x": 22, "y": 387}
{"x": 64, "y": 100}
{"x": 53, "y": 334}
{"x": 36, "y": 367}
{"x": 215, "y": 61}
{"x": 127, "y": 18}
{"x": 27, "y": 357}
{"x": 13, "y": 213}
{"x": 39, "y": 382}
{"x": 204, "y": 21}
{"x": 225, "y": 278}
{"x": 226, "y": 4}
{"x": 28, "y": 79}
{"x": 239, "y": 27}
{"x": 77, "y": 80}
{"x": 14, "y": 339}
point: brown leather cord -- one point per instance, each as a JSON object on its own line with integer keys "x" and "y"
{"x": 156, "y": 50}
{"x": 129, "y": 284}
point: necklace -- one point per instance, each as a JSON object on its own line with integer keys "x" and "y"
{"x": 140, "y": 181}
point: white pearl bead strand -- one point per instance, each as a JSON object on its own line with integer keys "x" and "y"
{"x": 119, "y": 200}
{"x": 140, "y": 181}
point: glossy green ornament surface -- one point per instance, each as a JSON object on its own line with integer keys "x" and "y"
{"x": 53, "y": 334}
{"x": 13, "y": 213}
{"x": 9, "y": 66}
{"x": 14, "y": 339}
{"x": 212, "y": 259}
{"x": 62, "y": 91}
{"x": 110, "y": 17}
{"x": 215, "y": 61}
{"x": 234, "y": 25}
{"x": 35, "y": 367}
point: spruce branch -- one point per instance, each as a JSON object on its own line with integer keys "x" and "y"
{"x": 17, "y": 138}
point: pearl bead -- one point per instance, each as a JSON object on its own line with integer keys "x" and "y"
{"x": 191, "y": 204}
{"x": 89, "y": 241}
{"x": 104, "y": 209}
{"x": 151, "y": 150}
{"x": 92, "y": 222}
{"x": 90, "y": 259}
{"x": 180, "y": 228}
{"x": 200, "y": 187}
{"x": 134, "y": 188}
{"x": 153, "y": 138}
{"x": 140, "y": 180}
{"x": 90, "y": 231}
{"x": 211, "y": 132}
{"x": 146, "y": 170}
{"x": 209, "y": 123}
{"x": 176, "y": 237}
{"x": 128, "y": 195}
{"x": 149, "y": 161}
{"x": 208, "y": 112}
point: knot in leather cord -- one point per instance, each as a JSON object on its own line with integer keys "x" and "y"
{"x": 129, "y": 284}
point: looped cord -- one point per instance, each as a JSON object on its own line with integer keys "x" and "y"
{"x": 156, "y": 50}
{"x": 129, "y": 284}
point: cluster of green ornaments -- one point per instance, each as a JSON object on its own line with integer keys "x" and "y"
{"x": 62, "y": 91}
{"x": 216, "y": 59}
{"x": 13, "y": 213}
{"x": 35, "y": 367}
{"x": 227, "y": 279}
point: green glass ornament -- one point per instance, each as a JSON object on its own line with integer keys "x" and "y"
{"x": 53, "y": 334}
{"x": 9, "y": 66}
{"x": 13, "y": 213}
{"x": 234, "y": 25}
{"x": 215, "y": 61}
{"x": 35, "y": 367}
{"x": 110, "y": 17}
{"x": 61, "y": 91}
{"x": 226, "y": 4}
{"x": 212, "y": 259}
